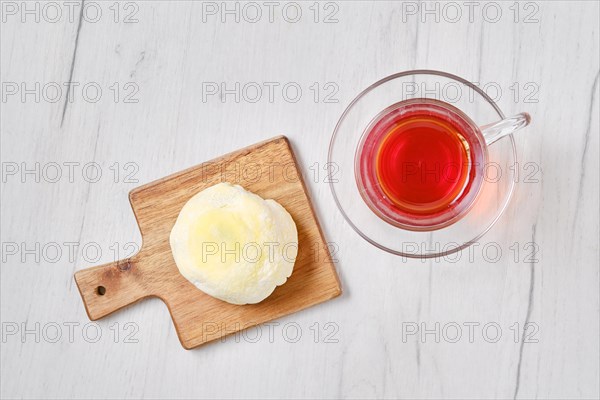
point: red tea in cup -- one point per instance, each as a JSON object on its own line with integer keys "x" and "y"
{"x": 419, "y": 165}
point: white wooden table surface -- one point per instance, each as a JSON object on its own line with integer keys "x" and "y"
{"x": 157, "y": 86}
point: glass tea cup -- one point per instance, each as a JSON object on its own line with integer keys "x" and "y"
{"x": 420, "y": 163}
{"x": 403, "y": 220}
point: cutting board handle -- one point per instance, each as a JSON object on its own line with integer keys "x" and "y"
{"x": 102, "y": 287}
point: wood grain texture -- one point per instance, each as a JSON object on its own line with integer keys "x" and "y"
{"x": 545, "y": 62}
{"x": 267, "y": 169}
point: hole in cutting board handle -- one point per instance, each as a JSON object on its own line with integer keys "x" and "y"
{"x": 100, "y": 290}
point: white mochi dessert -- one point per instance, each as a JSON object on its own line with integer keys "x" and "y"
{"x": 234, "y": 245}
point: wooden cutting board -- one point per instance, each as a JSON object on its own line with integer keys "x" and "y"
{"x": 268, "y": 169}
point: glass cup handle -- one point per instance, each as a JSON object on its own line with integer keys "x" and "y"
{"x": 497, "y": 130}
